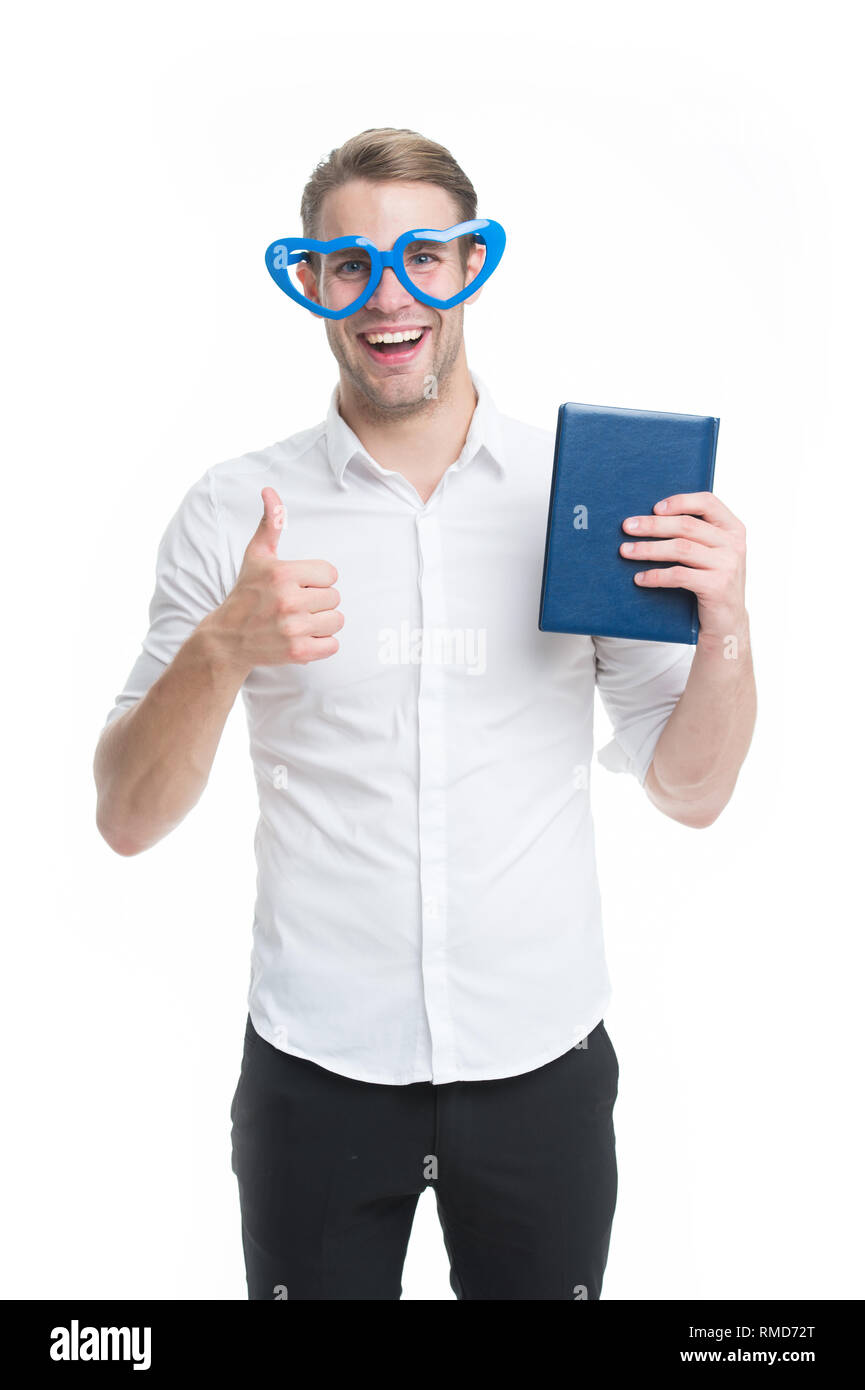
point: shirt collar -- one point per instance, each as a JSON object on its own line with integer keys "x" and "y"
{"x": 485, "y": 432}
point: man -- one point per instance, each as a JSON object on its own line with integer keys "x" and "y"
{"x": 428, "y": 979}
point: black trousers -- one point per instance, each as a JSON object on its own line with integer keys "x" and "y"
{"x": 330, "y": 1170}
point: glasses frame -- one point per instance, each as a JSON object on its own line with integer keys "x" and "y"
{"x": 295, "y": 249}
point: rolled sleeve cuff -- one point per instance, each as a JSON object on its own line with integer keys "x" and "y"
{"x": 632, "y": 751}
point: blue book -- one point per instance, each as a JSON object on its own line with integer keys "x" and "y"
{"x": 611, "y": 463}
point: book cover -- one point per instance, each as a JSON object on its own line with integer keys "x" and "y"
{"x": 610, "y": 463}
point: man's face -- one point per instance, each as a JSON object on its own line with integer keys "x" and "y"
{"x": 394, "y": 379}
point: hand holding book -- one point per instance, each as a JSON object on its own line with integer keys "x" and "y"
{"x": 705, "y": 544}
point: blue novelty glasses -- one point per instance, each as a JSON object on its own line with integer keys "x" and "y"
{"x": 440, "y": 268}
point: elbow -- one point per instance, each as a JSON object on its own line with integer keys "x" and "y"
{"x": 125, "y": 848}
{"x": 698, "y": 820}
{"x": 696, "y": 817}
{"x": 696, "y": 814}
{"x": 121, "y": 842}
{"x": 111, "y": 822}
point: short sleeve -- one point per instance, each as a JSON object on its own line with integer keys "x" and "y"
{"x": 640, "y": 684}
{"x": 191, "y": 580}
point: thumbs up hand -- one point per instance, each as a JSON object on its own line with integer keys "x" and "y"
{"x": 279, "y": 611}
{"x": 265, "y": 540}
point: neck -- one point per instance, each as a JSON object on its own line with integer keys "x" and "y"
{"x": 421, "y": 442}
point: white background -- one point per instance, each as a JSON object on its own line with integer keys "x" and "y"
{"x": 680, "y": 184}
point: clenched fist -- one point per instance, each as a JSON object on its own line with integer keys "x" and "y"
{"x": 279, "y": 611}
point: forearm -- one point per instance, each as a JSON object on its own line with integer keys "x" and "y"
{"x": 701, "y": 750}
{"x": 153, "y": 762}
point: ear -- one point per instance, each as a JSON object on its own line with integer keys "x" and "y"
{"x": 308, "y": 281}
{"x": 474, "y": 266}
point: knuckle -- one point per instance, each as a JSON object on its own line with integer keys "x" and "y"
{"x": 298, "y": 651}
{"x": 287, "y": 600}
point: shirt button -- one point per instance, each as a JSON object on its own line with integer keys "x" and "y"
{"x": 431, "y": 905}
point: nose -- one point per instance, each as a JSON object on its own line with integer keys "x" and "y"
{"x": 389, "y": 294}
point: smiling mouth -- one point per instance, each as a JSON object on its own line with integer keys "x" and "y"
{"x": 399, "y": 344}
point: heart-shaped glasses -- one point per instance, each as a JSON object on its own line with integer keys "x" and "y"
{"x": 440, "y": 268}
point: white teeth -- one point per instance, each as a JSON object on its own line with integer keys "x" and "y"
{"x": 411, "y": 336}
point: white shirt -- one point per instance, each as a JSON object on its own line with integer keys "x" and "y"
{"x": 427, "y": 900}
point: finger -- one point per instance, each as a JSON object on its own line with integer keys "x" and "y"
{"x": 700, "y": 582}
{"x": 265, "y": 540}
{"x": 704, "y": 504}
{"x": 326, "y": 623}
{"x": 314, "y": 648}
{"x": 705, "y": 532}
{"x": 679, "y": 551}
{"x": 317, "y": 600}
{"x": 319, "y": 574}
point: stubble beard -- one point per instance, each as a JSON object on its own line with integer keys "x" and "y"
{"x": 423, "y": 395}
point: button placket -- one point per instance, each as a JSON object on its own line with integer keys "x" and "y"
{"x": 432, "y": 807}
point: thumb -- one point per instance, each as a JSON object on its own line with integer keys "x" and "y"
{"x": 265, "y": 539}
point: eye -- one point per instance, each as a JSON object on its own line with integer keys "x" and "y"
{"x": 351, "y": 267}
{"x": 423, "y": 258}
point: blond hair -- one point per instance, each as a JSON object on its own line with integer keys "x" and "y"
{"x": 380, "y": 156}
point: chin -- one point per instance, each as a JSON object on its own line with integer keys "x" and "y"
{"x": 399, "y": 392}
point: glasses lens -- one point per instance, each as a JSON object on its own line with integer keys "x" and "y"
{"x": 442, "y": 269}
{"x": 341, "y": 276}
{"x": 334, "y": 279}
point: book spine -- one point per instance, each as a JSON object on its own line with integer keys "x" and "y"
{"x": 716, "y": 424}
{"x": 550, "y": 511}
